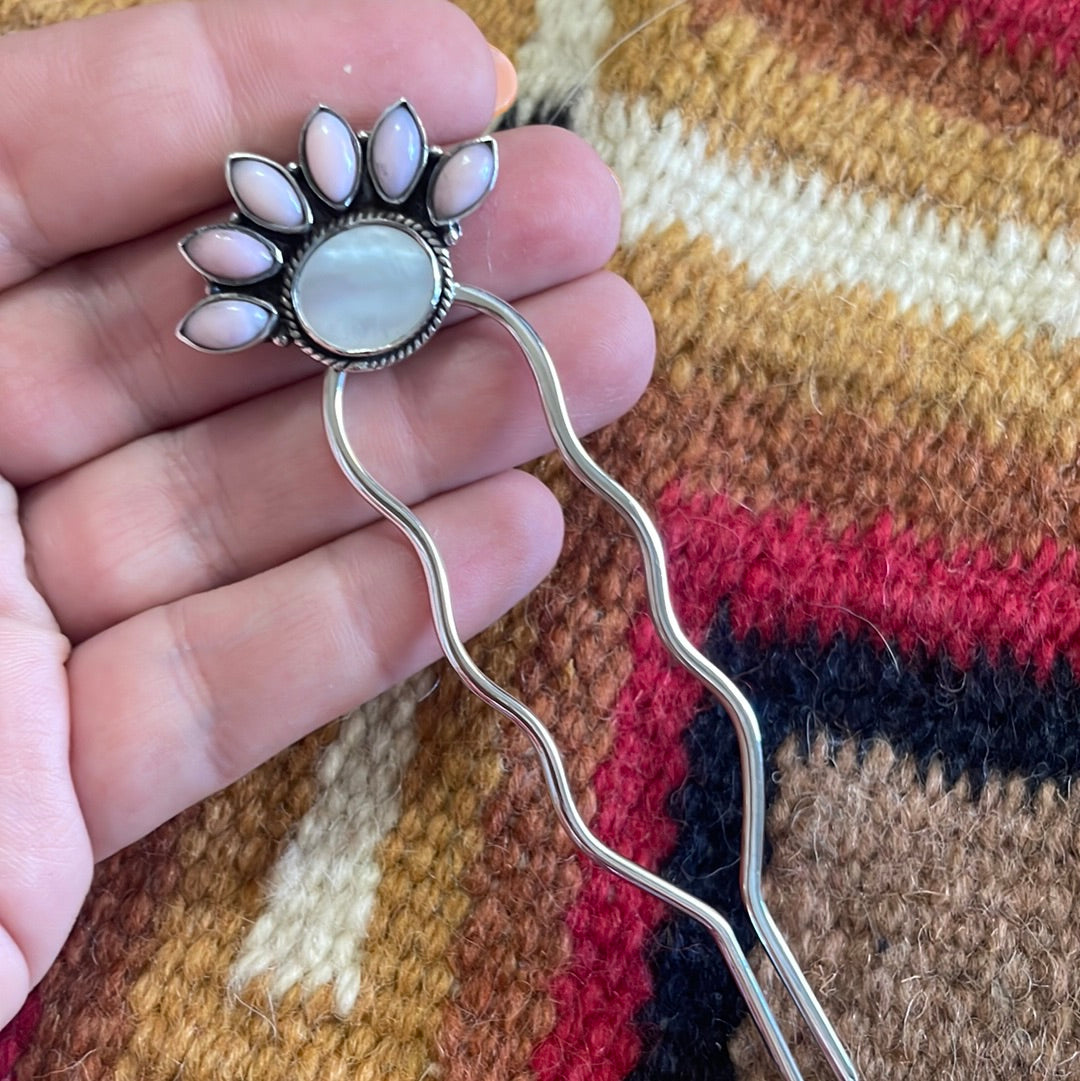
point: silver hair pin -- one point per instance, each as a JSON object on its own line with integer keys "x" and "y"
{"x": 347, "y": 255}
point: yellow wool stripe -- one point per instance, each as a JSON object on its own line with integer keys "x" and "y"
{"x": 749, "y": 93}
{"x": 183, "y": 1020}
{"x": 851, "y": 351}
{"x": 184, "y": 1007}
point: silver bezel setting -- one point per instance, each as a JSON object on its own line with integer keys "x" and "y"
{"x": 288, "y": 174}
{"x": 487, "y": 140}
{"x": 302, "y": 157}
{"x": 397, "y": 200}
{"x": 293, "y": 331}
{"x": 215, "y": 298}
{"x": 234, "y": 226}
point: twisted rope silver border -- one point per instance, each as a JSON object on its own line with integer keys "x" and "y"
{"x": 296, "y": 334}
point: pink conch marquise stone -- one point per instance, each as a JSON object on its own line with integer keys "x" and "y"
{"x": 397, "y": 150}
{"x": 463, "y": 181}
{"x": 330, "y": 156}
{"x": 223, "y": 324}
{"x": 230, "y": 255}
{"x": 267, "y": 193}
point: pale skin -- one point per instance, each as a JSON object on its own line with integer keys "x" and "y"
{"x": 187, "y": 584}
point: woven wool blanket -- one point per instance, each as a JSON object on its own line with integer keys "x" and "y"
{"x": 854, "y": 224}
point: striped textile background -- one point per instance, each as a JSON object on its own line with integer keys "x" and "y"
{"x": 855, "y": 225}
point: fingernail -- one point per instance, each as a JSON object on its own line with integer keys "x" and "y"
{"x": 615, "y": 177}
{"x": 506, "y": 81}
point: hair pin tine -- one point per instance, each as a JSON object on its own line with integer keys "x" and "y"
{"x": 347, "y": 256}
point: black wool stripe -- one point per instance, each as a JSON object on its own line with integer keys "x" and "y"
{"x": 991, "y": 719}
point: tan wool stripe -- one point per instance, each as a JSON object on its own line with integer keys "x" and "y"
{"x": 852, "y": 352}
{"x": 914, "y": 901}
{"x": 183, "y": 1020}
{"x": 748, "y": 92}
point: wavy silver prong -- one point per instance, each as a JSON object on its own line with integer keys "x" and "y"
{"x": 684, "y": 652}
{"x": 550, "y": 759}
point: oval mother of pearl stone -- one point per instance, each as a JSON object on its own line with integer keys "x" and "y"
{"x": 366, "y": 289}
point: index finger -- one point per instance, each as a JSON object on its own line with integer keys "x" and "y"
{"x": 119, "y": 124}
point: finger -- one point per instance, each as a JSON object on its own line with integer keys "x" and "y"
{"x": 186, "y": 510}
{"x": 137, "y": 154}
{"x": 181, "y": 700}
{"x": 92, "y": 361}
{"x": 45, "y": 860}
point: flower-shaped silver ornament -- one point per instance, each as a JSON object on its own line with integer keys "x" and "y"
{"x": 345, "y": 254}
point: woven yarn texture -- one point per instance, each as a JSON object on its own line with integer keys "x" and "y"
{"x": 855, "y": 224}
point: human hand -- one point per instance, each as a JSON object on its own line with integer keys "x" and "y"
{"x": 187, "y": 583}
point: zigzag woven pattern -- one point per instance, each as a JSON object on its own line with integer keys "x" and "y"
{"x": 855, "y": 225}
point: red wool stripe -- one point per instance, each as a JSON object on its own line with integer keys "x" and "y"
{"x": 16, "y": 1035}
{"x": 782, "y": 576}
{"x": 1033, "y": 26}
{"x": 787, "y": 574}
{"x": 608, "y": 979}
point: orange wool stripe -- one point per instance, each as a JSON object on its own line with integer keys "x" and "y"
{"x": 524, "y": 879}
{"x": 851, "y": 352}
{"x": 85, "y": 1016}
{"x": 1010, "y": 91}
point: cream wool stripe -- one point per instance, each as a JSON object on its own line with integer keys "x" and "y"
{"x": 322, "y": 889}
{"x": 562, "y": 52}
{"x": 799, "y": 230}
{"x": 793, "y": 229}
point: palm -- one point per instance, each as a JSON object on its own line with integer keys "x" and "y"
{"x": 175, "y": 521}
